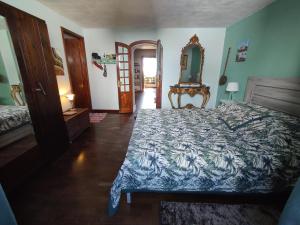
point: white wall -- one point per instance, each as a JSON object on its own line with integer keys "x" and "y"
{"x": 104, "y": 90}
{"x": 54, "y": 21}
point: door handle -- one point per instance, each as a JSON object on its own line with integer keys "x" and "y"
{"x": 119, "y": 84}
{"x": 40, "y": 88}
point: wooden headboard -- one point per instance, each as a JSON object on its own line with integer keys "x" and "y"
{"x": 280, "y": 94}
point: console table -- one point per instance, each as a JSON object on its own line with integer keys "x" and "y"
{"x": 191, "y": 91}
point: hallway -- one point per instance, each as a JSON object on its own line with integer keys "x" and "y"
{"x": 146, "y": 99}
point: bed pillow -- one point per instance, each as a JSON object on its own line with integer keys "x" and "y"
{"x": 238, "y": 115}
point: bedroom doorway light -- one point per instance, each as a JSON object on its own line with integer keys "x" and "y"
{"x": 149, "y": 67}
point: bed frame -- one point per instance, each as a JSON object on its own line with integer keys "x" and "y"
{"x": 280, "y": 94}
{"x": 15, "y": 134}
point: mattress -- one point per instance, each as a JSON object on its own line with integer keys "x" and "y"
{"x": 13, "y": 117}
{"x": 232, "y": 149}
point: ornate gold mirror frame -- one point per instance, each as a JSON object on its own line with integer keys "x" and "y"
{"x": 194, "y": 42}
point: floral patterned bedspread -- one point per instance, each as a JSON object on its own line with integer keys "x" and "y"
{"x": 195, "y": 151}
{"x": 12, "y": 117}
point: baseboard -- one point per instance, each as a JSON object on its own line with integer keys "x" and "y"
{"x": 105, "y": 111}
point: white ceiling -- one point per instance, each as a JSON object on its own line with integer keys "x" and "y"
{"x": 155, "y": 13}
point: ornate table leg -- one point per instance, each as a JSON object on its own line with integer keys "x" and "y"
{"x": 170, "y": 98}
{"x": 179, "y": 100}
{"x": 206, "y": 97}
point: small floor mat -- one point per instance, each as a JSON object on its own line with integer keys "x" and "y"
{"x": 97, "y": 117}
{"x": 180, "y": 213}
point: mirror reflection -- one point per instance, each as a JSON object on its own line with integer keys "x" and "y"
{"x": 15, "y": 121}
{"x": 192, "y": 57}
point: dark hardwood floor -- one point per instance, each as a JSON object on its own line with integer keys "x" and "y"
{"x": 75, "y": 189}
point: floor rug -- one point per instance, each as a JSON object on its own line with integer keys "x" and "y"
{"x": 97, "y": 117}
{"x": 179, "y": 213}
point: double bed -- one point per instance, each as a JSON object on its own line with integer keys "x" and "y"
{"x": 249, "y": 147}
{"x": 15, "y": 123}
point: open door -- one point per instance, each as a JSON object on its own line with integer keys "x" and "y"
{"x": 124, "y": 77}
{"x": 77, "y": 67}
{"x": 159, "y": 72}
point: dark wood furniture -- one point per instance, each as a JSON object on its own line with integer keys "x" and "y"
{"x": 32, "y": 47}
{"x": 77, "y": 123}
{"x": 77, "y": 67}
{"x": 123, "y": 53}
{"x": 191, "y": 91}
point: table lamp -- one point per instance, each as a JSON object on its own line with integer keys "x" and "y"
{"x": 71, "y": 97}
{"x": 231, "y": 88}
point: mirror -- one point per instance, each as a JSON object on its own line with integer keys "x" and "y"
{"x": 15, "y": 121}
{"x": 191, "y": 62}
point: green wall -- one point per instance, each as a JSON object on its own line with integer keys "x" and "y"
{"x": 5, "y": 98}
{"x": 195, "y": 62}
{"x": 274, "y": 49}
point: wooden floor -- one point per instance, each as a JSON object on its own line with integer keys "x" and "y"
{"x": 146, "y": 99}
{"x": 75, "y": 189}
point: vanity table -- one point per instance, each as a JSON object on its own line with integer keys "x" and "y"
{"x": 191, "y": 91}
{"x": 190, "y": 80}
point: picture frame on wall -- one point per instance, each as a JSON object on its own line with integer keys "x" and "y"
{"x": 241, "y": 55}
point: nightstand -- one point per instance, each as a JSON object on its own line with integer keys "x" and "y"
{"x": 77, "y": 123}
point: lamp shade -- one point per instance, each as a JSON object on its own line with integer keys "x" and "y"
{"x": 232, "y": 86}
{"x": 70, "y": 97}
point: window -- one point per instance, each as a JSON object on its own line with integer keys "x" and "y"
{"x": 149, "y": 67}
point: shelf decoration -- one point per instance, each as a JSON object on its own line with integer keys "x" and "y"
{"x": 58, "y": 62}
{"x": 108, "y": 59}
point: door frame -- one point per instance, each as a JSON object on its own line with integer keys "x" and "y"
{"x": 82, "y": 59}
{"x": 121, "y": 109}
{"x": 154, "y": 43}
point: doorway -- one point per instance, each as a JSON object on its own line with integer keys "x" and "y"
{"x": 145, "y": 91}
{"x": 77, "y": 68}
{"x": 130, "y": 68}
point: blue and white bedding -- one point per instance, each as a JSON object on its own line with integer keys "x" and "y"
{"x": 12, "y": 117}
{"x": 198, "y": 151}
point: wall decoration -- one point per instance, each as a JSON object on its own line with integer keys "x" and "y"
{"x": 183, "y": 62}
{"x": 101, "y": 62}
{"x": 223, "y": 78}
{"x": 241, "y": 54}
{"x": 96, "y": 60}
{"x": 58, "y": 63}
{"x": 105, "y": 71}
{"x": 108, "y": 59}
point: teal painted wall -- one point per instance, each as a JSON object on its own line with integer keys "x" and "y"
{"x": 5, "y": 98}
{"x": 274, "y": 49}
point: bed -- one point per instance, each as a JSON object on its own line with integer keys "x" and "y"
{"x": 15, "y": 123}
{"x": 249, "y": 147}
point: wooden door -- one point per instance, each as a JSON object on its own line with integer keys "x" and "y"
{"x": 124, "y": 77}
{"x": 33, "y": 51}
{"x": 159, "y": 72}
{"x": 76, "y": 61}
